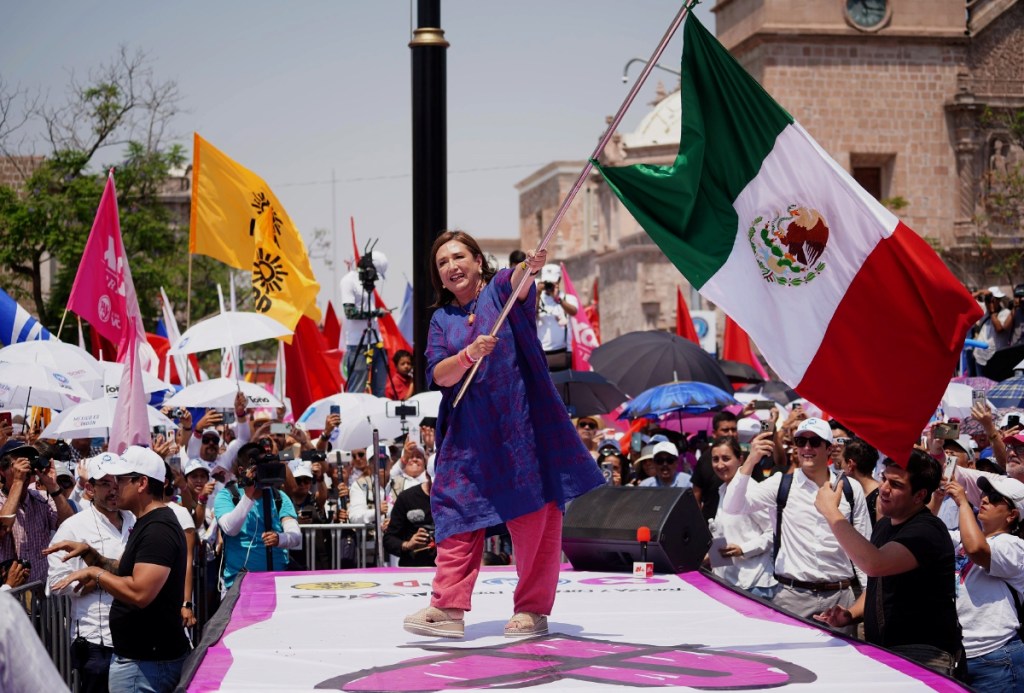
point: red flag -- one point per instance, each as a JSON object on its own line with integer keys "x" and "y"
{"x": 313, "y": 371}
{"x": 332, "y": 327}
{"x": 736, "y": 347}
{"x": 684, "y": 323}
{"x": 584, "y": 341}
{"x": 161, "y": 345}
{"x": 101, "y": 347}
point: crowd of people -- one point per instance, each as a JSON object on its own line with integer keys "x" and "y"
{"x": 925, "y": 557}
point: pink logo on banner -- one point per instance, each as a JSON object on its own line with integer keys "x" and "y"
{"x": 584, "y": 339}
{"x": 557, "y": 657}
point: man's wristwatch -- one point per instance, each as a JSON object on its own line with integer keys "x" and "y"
{"x": 55, "y": 492}
{"x": 186, "y": 605}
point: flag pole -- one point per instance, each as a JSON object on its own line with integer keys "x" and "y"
{"x": 62, "y": 317}
{"x": 188, "y": 294}
{"x": 598, "y": 150}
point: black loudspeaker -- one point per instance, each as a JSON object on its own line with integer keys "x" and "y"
{"x": 599, "y": 531}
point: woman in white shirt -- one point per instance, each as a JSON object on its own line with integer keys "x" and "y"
{"x": 990, "y": 578}
{"x": 748, "y": 538}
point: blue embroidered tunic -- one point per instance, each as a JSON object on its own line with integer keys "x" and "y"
{"x": 510, "y": 447}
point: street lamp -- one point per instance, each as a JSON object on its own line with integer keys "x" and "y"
{"x": 625, "y": 70}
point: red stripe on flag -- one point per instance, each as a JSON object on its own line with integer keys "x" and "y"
{"x": 892, "y": 345}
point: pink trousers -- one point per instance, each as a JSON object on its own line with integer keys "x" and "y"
{"x": 537, "y": 547}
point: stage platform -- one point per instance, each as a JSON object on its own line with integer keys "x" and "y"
{"x": 342, "y": 631}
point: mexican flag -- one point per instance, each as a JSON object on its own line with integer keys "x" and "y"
{"x": 846, "y": 303}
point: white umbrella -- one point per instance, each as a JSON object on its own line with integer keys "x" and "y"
{"x": 94, "y": 420}
{"x": 315, "y": 416}
{"x": 226, "y": 330}
{"x": 957, "y": 401}
{"x": 71, "y": 360}
{"x": 358, "y": 422}
{"x": 112, "y": 373}
{"x": 219, "y": 393}
{"x": 24, "y": 384}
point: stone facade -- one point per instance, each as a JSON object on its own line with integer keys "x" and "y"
{"x": 900, "y": 105}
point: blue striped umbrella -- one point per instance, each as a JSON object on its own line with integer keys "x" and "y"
{"x": 686, "y": 397}
{"x": 1009, "y": 393}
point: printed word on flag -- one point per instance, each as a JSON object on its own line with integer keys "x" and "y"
{"x": 584, "y": 339}
{"x": 237, "y": 219}
{"x": 769, "y": 228}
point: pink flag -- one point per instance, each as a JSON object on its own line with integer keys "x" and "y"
{"x": 104, "y": 294}
{"x": 584, "y": 340}
{"x": 100, "y": 291}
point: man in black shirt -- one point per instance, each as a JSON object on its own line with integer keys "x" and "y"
{"x": 410, "y": 532}
{"x": 909, "y": 605}
{"x": 146, "y": 583}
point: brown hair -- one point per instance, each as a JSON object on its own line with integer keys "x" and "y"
{"x": 444, "y": 296}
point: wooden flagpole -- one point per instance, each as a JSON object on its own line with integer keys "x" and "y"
{"x": 598, "y": 150}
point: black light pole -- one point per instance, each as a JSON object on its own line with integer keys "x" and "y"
{"x": 429, "y": 165}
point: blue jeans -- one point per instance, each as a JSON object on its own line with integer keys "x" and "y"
{"x": 999, "y": 670}
{"x": 764, "y": 592}
{"x": 143, "y": 676}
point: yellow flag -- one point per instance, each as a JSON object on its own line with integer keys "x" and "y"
{"x": 279, "y": 289}
{"x": 228, "y": 203}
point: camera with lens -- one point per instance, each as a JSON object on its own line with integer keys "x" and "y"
{"x": 176, "y": 413}
{"x": 549, "y": 287}
{"x": 367, "y": 271}
{"x": 57, "y": 452}
{"x": 313, "y": 456}
{"x": 269, "y": 471}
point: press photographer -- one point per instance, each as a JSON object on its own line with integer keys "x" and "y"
{"x": 242, "y": 514}
{"x": 554, "y": 309}
{"x": 362, "y": 340}
{"x": 29, "y": 516}
{"x": 410, "y": 533}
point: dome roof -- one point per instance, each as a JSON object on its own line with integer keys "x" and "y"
{"x": 661, "y": 126}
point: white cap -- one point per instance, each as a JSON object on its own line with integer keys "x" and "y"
{"x": 550, "y": 273}
{"x": 965, "y": 443}
{"x": 139, "y": 460}
{"x": 1011, "y": 489}
{"x": 99, "y": 466}
{"x": 301, "y": 470}
{"x": 193, "y": 465}
{"x": 996, "y": 291}
{"x": 646, "y": 453}
{"x": 747, "y": 429}
{"x": 815, "y": 427}
{"x": 665, "y": 446}
{"x": 64, "y": 468}
{"x": 380, "y": 262}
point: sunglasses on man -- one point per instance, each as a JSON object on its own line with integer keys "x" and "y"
{"x": 808, "y": 441}
{"x": 211, "y": 440}
{"x": 587, "y": 424}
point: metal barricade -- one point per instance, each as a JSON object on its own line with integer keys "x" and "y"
{"x": 51, "y": 618}
{"x": 335, "y": 540}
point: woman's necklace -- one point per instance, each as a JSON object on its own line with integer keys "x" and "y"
{"x": 472, "y": 313}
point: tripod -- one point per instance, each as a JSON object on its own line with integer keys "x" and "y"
{"x": 369, "y": 349}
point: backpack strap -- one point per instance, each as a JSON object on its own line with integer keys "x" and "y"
{"x": 780, "y": 505}
{"x": 783, "y": 497}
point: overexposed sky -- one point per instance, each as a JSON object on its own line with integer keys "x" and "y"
{"x": 303, "y": 91}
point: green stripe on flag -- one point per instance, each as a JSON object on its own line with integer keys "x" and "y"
{"x": 730, "y": 124}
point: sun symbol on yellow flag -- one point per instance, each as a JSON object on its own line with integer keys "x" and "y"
{"x": 278, "y": 291}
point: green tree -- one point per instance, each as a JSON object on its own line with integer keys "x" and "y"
{"x": 121, "y": 107}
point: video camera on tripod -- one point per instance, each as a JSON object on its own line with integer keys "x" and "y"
{"x": 366, "y": 268}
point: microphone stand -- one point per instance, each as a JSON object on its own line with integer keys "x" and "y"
{"x": 268, "y": 522}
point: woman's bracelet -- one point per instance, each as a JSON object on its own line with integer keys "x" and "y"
{"x": 470, "y": 356}
{"x": 463, "y": 358}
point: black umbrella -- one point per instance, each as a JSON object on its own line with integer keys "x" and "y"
{"x": 638, "y": 361}
{"x": 739, "y": 372}
{"x": 1000, "y": 365}
{"x": 774, "y": 390}
{"x": 586, "y": 393}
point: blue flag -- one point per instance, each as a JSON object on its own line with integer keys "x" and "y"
{"x": 17, "y": 324}
{"x": 405, "y": 314}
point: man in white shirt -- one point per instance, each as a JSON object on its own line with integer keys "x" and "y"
{"x": 105, "y": 528}
{"x": 666, "y": 466}
{"x": 813, "y": 571}
{"x": 554, "y": 311}
{"x": 359, "y": 329}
